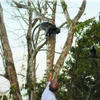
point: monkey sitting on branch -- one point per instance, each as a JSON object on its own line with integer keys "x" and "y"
{"x": 48, "y": 28}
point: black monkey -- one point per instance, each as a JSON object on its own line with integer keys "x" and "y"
{"x": 48, "y": 28}
{"x": 93, "y": 52}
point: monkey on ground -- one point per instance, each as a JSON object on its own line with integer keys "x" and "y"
{"x": 48, "y": 28}
{"x": 93, "y": 52}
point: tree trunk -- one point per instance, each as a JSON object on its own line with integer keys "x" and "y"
{"x": 51, "y": 44}
{"x": 31, "y": 70}
{"x": 10, "y": 67}
{"x": 69, "y": 39}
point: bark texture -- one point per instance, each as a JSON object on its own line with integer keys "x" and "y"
{"x": 8, "y": 59}
{"x": 69, "y": 39}
{"x": 51, "y": 43}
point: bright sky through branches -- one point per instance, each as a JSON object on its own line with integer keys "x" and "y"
{"x": 92, "y": 10}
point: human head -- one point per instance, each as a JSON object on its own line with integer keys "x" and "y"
{"x": 53, "y": 87}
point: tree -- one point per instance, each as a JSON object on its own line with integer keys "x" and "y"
{"x": 10, "y": 72}
{"x": 40, "y": 9}
{"x": 81, "y": 73}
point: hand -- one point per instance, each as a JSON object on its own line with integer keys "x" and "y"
{"x": 50, "y": 76}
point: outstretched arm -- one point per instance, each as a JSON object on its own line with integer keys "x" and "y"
{"x": 50, "y": 77}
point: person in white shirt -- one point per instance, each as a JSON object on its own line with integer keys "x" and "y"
{"x": 50, "y": 90}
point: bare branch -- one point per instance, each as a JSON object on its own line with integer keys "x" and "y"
{"x": 46, "y": 50}
{"x": 21, "y": 75}
{"x": 35, "y": 21}
{"x": 80, "y": 12}
{"x": 54, "y": 9}
{"x": 63, "y": 24}
{"x": 64, "y": 6}
{"x": 38, "y": 48}
{"x": 20, "y": 5}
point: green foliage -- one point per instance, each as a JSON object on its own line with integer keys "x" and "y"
{"x": 0, "y": 97}
{"x": 40, "y": 88}
{"x": 29, "y": 87}
{"x": 4, "y": 97}
{"x": 11, "y": 90}
{"x": 81, "y": 25}
{"x": 80, "y": 77}
{"x": 90, "y": 36}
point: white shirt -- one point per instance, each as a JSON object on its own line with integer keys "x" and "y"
{"x": 47, "y": 94}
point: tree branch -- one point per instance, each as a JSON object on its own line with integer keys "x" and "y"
{"x": 63, "y": 24}
{"x": 38, "y": 48}
{"x": 20, "y": 5}
{"x": 64, "y": 6}
{"x": 80, "y": 12}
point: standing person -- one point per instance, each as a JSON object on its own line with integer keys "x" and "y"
{"x": 50, "y": 90}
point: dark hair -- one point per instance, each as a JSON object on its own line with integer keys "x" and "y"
{"x": 53, "y": 87}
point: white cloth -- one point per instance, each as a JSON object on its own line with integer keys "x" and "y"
{"x": 47, "y": 94}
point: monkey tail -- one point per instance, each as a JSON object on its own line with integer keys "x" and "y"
{"x": 34, "y": 32}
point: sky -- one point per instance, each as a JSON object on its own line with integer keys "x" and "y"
{"x": 92, "y": 9}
